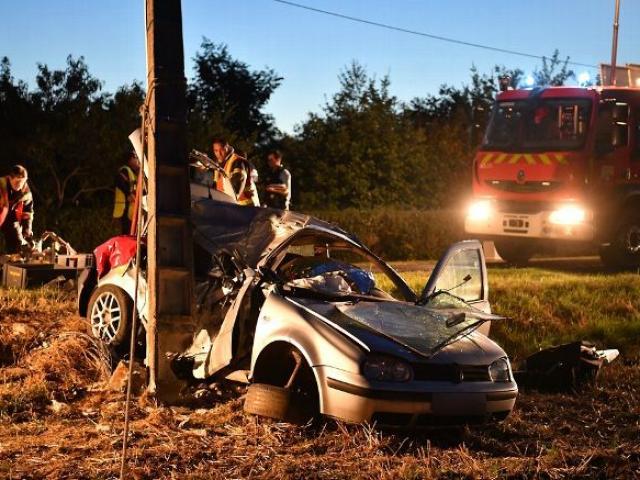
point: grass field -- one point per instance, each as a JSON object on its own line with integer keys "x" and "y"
{"x": 57, "y": 420}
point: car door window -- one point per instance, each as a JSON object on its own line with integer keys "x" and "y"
{"x": 322, "y": 262}
{"x": 462, "y": 275}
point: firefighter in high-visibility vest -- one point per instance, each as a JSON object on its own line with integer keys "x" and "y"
{"x": 239, "y": 172}
{"x": 16, "y": 209}
{"x": 125, "y": 193}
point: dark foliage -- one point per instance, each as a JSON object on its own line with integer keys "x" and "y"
{"x": 227, "y": 99}
{"x": 365, "y": 150}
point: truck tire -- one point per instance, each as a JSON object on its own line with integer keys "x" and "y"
{"x": 109, "y": 315}
{"x": 625, "y": 247}
{"x": 514, "y": 252}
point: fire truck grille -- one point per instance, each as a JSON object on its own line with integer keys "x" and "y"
{"x": 526, "y": 187}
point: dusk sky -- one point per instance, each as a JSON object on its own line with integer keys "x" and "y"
{"x": 309, "y": 49}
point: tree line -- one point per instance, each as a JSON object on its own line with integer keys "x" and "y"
{"x": 364, "y": 149}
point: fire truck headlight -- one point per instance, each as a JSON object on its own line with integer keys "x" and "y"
{"x": 568, "y": 215}
{"x": 479, "y": 210}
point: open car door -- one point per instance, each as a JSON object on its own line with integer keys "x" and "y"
{"x": 462, "y": 271}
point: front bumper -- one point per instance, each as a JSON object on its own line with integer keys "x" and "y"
{"x": 527, "y": 225}
{"x": 352, "y": 398}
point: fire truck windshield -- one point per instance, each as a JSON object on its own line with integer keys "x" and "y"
{"x": 538, "y": 125}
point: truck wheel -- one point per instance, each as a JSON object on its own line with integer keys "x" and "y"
{"x": 626, "y": 243}
{"x": 514, "y": 252}
{"x": 109, "y": 314}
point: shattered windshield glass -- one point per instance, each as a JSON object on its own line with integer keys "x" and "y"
{"x": 423, "y": 330}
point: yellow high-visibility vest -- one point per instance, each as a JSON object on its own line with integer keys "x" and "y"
{"x": 121, "y": 202}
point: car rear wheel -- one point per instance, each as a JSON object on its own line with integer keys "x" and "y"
{"x": 109, "y": 314}
{"x": 517, "y": 253}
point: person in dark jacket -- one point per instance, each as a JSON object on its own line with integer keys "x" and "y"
{"x": 16, "y": 209}
{"x": 277, "y": 183}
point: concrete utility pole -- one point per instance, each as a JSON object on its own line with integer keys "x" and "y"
{"x": 169, "y": 239}
{"x": 614, "y": 43}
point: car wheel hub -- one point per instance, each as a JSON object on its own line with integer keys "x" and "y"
{"x": 105, "y": 317}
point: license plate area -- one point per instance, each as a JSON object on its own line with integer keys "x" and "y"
{"x": 515, "y": 223}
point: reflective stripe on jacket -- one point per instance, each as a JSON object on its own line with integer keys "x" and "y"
{"x": 121, "y": 199}
{"x": 234, "y": 165}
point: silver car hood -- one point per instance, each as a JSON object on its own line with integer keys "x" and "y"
{"x": 419, "y": 329}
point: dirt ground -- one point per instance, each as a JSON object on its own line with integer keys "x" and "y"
{"x": 58, "y": 421}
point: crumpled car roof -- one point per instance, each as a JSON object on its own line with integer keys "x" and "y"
{"x": 251, "y": 231}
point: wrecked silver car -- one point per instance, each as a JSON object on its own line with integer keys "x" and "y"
{"x": 320, "y": 324}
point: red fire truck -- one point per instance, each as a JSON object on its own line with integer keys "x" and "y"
{"x": 560, "y": 164}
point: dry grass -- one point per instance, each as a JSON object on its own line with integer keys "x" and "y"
{"x": 48, "y": 352}
{"x": 52, "y": 425}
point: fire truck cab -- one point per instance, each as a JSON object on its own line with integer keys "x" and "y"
{"x": 560, "y": 164}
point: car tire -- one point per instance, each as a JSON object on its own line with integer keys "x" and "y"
{"x": 278, "y": 403}
{"x": 268, "y": 401}
{"x": 109, "y": 314}
{"x": 514, "y": 252}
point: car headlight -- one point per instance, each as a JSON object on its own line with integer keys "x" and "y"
{"x": 500, "y": 371}
{"x": 568, "y": 215}
{"x": 479, "y": 210}
{"x": 386, "y": 369}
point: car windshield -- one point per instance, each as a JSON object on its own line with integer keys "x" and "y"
{"x": 538, "y": 125}
{"x": 424, "y": 330}
{"x": 362, "y": 296}
{"x": 332, "y": 266}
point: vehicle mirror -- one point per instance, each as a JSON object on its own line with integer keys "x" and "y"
{"x": 620, "y": 112}
{"x": 604, "y": 129}
{"x": 619, "y": 135}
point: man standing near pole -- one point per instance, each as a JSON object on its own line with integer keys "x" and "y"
{"x": 278, "y": 183}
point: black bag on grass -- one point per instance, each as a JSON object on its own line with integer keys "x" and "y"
{"x": 564, "y": 368}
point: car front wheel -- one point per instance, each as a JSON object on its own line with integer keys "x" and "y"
{"x": 109, "y": 314}
{"x": 284, "y": 386}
